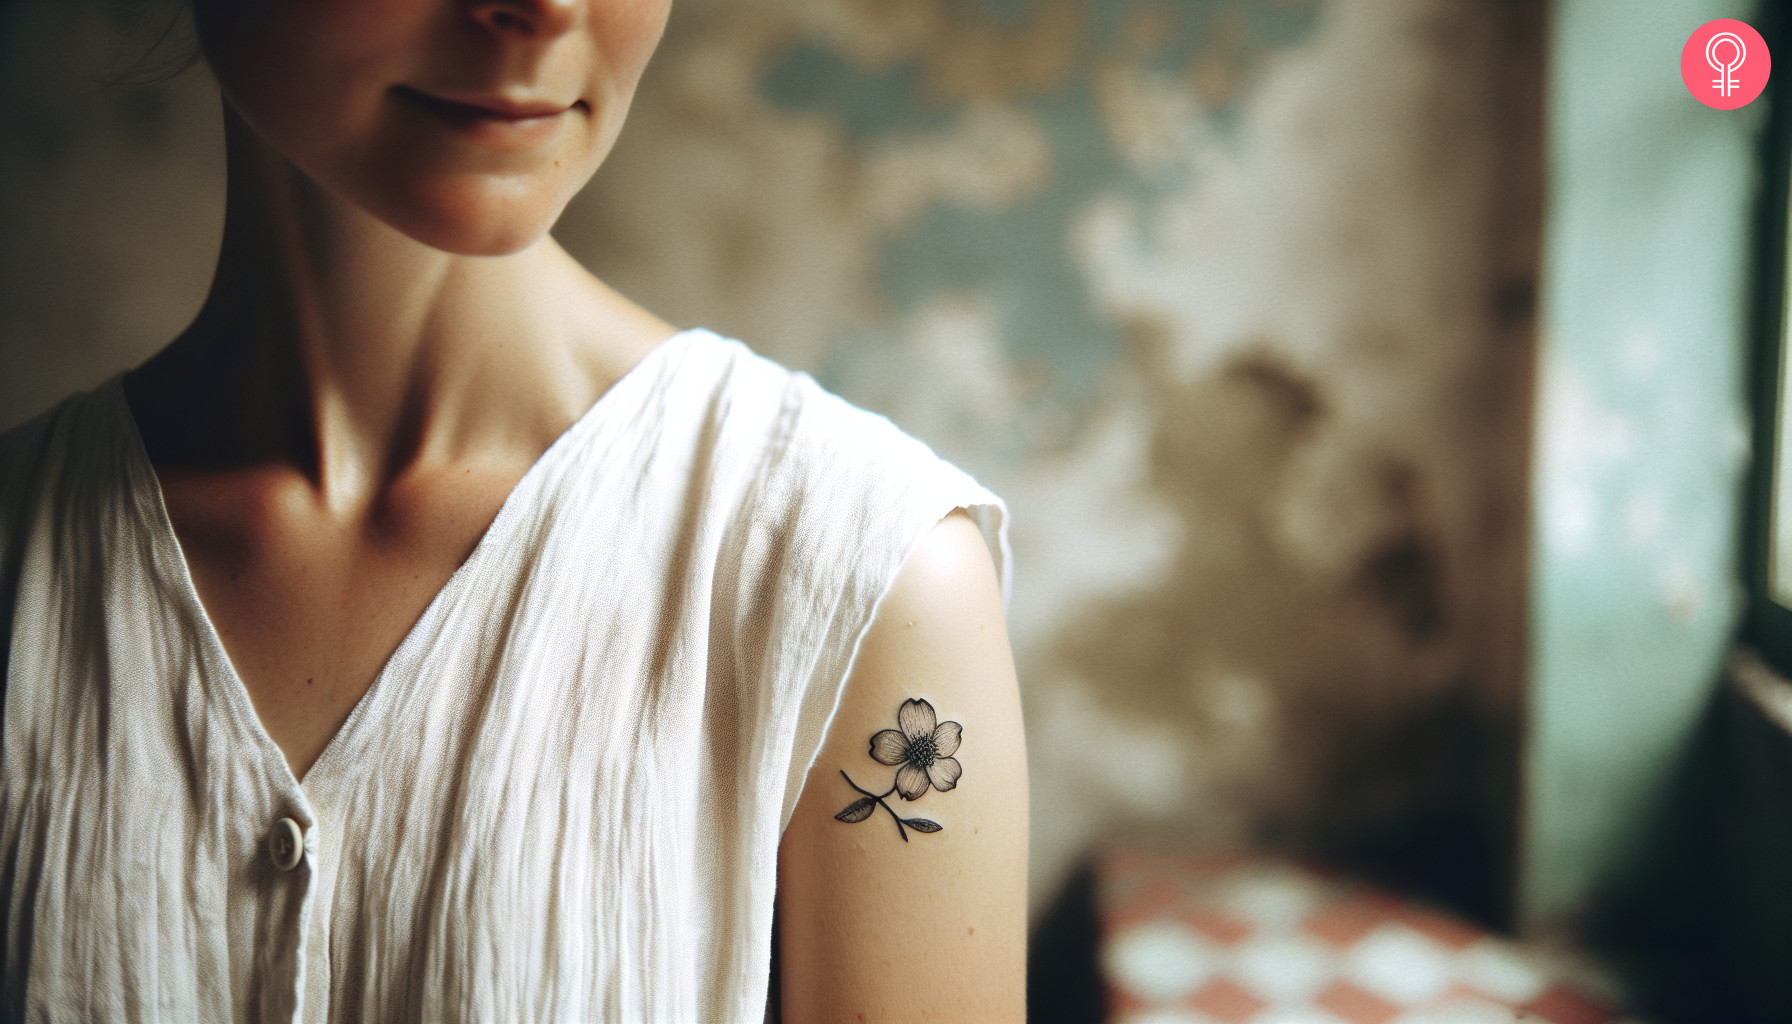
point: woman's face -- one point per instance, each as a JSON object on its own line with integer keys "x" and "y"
{"x": 467, "y": 125}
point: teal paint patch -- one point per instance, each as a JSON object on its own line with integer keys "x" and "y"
{"x": 866, "y": 104}
{"x": 1021, "y": 254}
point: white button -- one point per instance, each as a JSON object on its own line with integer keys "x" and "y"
{"x": 285, "y": 844}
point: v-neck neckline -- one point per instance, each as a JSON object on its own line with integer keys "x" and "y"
{"x": 144, "y": 487}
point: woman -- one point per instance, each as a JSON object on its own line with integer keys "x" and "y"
{"x": 430, "y": 633}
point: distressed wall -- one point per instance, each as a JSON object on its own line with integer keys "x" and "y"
{"x": 1231, "y": 301}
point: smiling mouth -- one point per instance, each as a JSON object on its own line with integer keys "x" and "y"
{"x": 493, "y": 122}
{"x": 486, "y": 110}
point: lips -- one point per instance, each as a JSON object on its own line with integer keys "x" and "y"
{"x": 496, "y": 121}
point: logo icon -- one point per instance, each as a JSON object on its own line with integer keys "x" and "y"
{"x": 1726, "y": 78}
{"x": 1725, "y": 64}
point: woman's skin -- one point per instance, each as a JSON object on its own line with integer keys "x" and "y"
{"x": 392, "y": 339}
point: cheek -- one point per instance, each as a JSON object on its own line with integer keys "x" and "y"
{"x": 309, "y": 74}
{"x": 624, "y": 35}
{"x": 627, "y": 32}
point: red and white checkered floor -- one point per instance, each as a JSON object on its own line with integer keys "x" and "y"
{"x": 1255, "y": 941}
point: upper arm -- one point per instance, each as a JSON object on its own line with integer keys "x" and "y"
{"x": 875, "y": 928}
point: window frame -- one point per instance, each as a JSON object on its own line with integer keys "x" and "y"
{"x": 1767, "y": 624}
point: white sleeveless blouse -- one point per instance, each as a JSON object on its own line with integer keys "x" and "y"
{"x": 562, "y": 797}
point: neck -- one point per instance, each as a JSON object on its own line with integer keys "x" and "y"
{"x": 337, "y": 344}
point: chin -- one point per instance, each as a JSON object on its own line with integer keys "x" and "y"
{"x": 477, "y": 238}
{"x": 484, "y": 216}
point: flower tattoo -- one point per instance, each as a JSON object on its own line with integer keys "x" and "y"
{"x": 924, "y": 749}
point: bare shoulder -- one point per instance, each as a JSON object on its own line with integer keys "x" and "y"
{"x": 902, "y": 876}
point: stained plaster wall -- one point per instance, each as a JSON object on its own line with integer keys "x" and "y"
{"x": 1230, "y": 300}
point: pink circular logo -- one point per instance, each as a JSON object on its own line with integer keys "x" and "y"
{"x": 1725, "y": 64}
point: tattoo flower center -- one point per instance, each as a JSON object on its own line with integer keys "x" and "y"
{"x": 923, "y": 746}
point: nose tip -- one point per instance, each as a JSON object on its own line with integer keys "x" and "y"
{"x": 527, "y": 19}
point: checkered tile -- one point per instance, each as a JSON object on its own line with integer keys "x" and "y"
{"x": 1259, "y": 941}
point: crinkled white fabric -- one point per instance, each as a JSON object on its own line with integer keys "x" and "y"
{"x": 562, "y": 797}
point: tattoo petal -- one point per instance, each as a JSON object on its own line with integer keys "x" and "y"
{"x": 945, "y": 739}
{"x": 916, "y": 719}
{"x": 912, "y": 781}
{"x": 943, "y": 773}
{"x": 889, "y": 747}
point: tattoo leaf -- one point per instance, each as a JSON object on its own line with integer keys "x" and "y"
{"x": 921, "y": 824}
{"x": 859, "y": 810}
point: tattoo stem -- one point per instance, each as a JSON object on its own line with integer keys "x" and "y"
{"x": 880, "y": 802}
